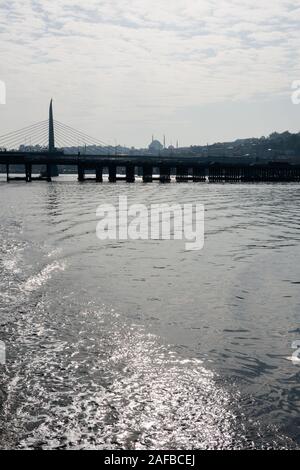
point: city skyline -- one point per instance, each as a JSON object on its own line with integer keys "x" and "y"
{"x": 201, "y": 72}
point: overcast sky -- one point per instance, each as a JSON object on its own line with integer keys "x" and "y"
{"x": 197, "y": 70}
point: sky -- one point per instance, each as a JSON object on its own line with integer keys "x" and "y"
{"x": 200, "y": 71}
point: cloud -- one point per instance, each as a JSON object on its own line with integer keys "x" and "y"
{"x": 145, "y": 58}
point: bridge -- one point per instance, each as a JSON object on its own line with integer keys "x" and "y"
{"x": 44, "y": 144}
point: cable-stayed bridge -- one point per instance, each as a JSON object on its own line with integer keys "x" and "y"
{"x": 49, "y": 136}
{"x": 51, "y": 143}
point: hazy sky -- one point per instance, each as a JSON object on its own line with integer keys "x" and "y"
{"x": 197, "y": 70}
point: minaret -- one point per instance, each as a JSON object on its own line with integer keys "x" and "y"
{"x": 51, "y": 129}
{"x": 52, "y": 170}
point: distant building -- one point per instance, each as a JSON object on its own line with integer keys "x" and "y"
{"x": 155, "y": 146}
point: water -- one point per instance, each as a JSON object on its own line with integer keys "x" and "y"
{"x": 143, "y": 345}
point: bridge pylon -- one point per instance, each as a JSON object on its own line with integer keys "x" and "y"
{"x": 51, "y": 144}
{"x": 52, "y": 170}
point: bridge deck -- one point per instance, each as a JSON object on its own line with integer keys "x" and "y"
{"x": 186, "y": 168}
{"x": 59, "y": 158}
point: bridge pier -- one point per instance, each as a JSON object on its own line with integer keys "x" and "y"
{"x": 147, "y": 173}
{"x": 217, "y": 173}
{"x": 199, "y": 174}
{"x": 48, "y": 173}
{"x": 112, "y": 173}
{"x": 99, "y": 174}
{"x": 165, "y": 174}
{"x": 228, "y": 174}
{"x": 232, "y": 174}
{"x": 296, "y": 174}
{"x": 130, "y": 174}
{"x": 81, "y": 173}
{"x": 212, "y": 174}
{"x": 182, "y": 174}
{"x": 7, "y": 173}
{"x": 28, "y": 171}
{"x": 248, "y": 174}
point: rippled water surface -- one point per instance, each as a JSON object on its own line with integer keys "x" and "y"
{"x": 143, "y": 345}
